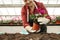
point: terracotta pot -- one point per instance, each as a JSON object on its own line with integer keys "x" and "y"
{"x": 35, "y": 26}
{"x": 58, "y": 22}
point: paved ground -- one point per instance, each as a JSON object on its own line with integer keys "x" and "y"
{"x": 18, "y": 29}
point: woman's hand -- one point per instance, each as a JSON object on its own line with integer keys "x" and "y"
{"x": 43, "y": 20}
{"x": 29, "y": 29}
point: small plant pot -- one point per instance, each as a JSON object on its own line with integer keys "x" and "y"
{"x": 35, "y": 26}
{"x": 58, "y": 22}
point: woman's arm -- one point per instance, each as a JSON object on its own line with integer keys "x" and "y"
{"x": 24, "y": 17}
{"x": 44, "y": 10}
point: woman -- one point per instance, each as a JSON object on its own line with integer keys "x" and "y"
{"x": 33, "y": 7}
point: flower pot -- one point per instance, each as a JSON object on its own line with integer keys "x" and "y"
{"x": 35, "y": 26}
{"x": 58, "y": 22}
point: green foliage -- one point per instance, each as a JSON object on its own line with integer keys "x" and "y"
{"x": 58, "y": 18}
{"x": 32, "y": 16}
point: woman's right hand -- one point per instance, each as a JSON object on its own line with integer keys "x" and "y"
{"x": 29, "y": 29}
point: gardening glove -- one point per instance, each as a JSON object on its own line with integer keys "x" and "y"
{"x": 43, "y": 20}
{"x": 29, "y": 29}
{"x": 38, "y": 30}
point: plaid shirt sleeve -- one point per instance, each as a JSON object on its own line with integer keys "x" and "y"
{"x": 45, "y": 13}
{"x": 24, "y": 17}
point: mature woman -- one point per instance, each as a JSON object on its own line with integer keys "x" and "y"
{"x": 33, "y": 7}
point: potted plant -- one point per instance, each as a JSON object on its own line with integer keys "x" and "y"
{"x": 58, "y": 20}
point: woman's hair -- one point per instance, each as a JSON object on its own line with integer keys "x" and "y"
{"x": 25, "y": 0}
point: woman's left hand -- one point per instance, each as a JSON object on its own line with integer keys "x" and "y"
{"x": 43, "y": 20}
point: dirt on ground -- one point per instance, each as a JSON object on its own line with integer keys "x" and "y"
{"x": 33, "y": 36}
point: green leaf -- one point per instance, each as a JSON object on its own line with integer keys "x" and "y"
{"x": 32, "y": 16}
{"x": 58, "y": 18}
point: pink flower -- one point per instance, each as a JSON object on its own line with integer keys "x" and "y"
{"x": 53, "y": 17}
{"x": 40, "y": 11}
